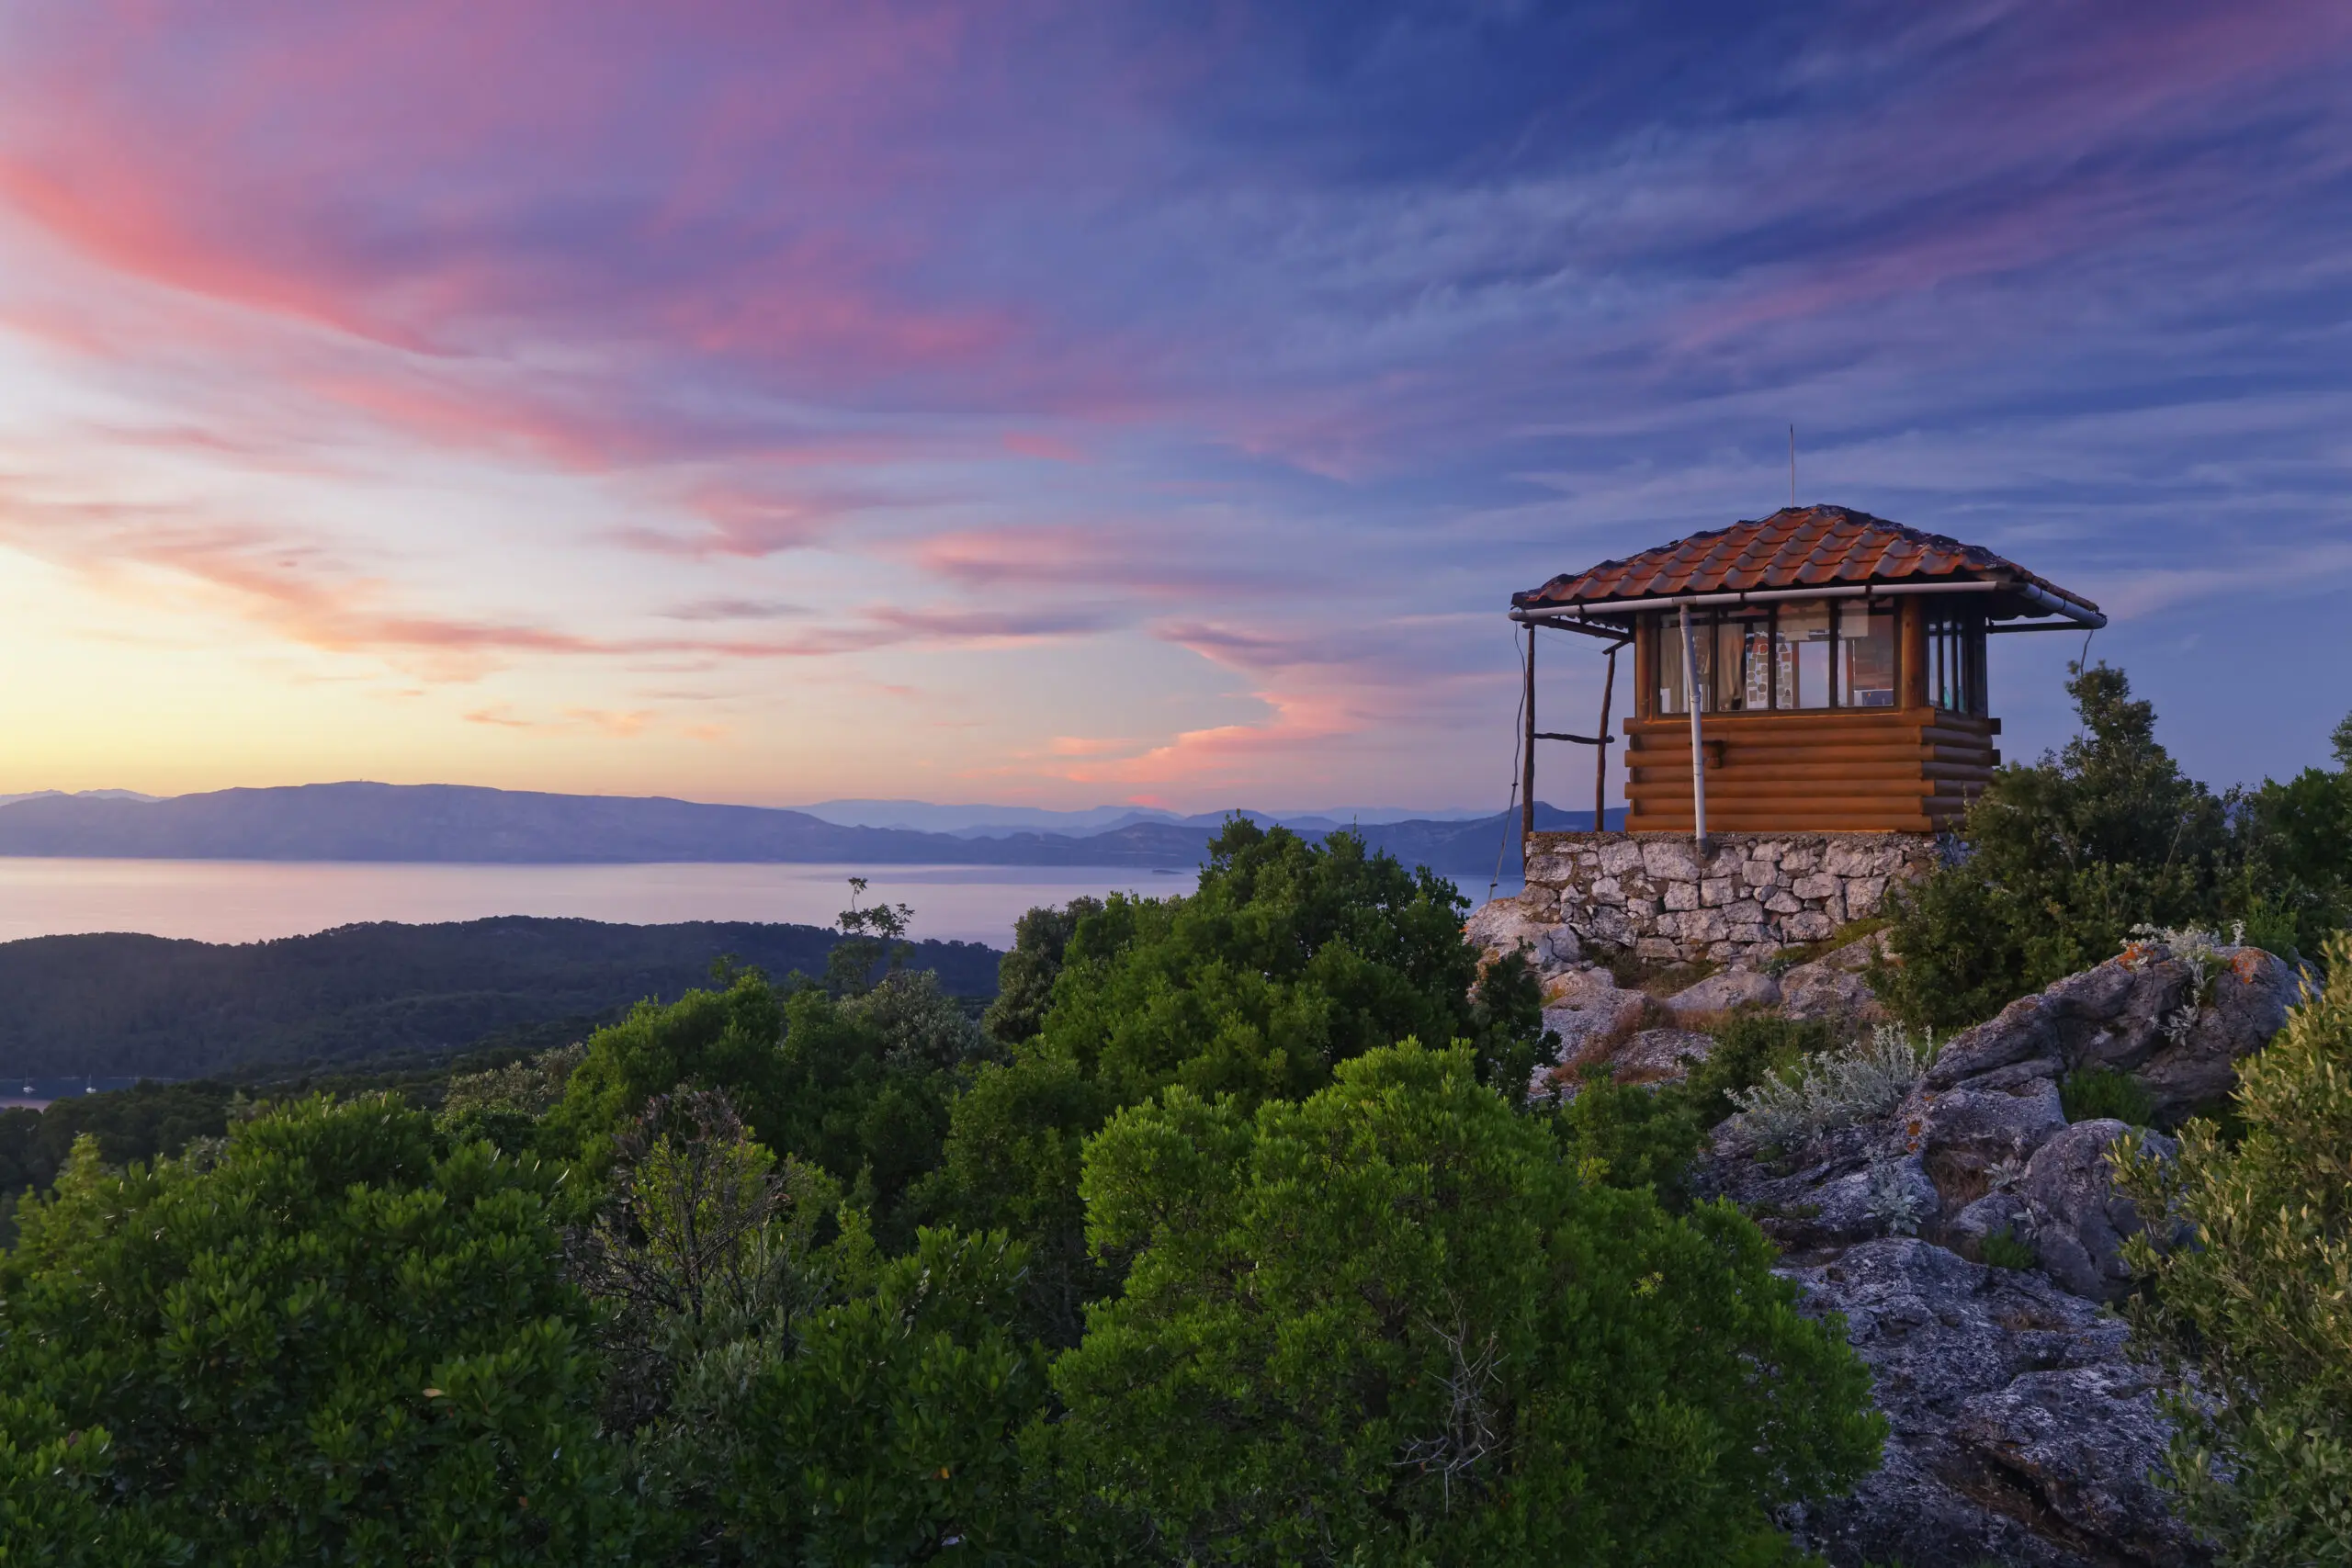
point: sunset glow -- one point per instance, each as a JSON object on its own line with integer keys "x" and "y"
{"x": 1063, "y": 403}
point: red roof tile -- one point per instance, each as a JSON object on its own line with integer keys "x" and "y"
{"x": 1795, "y": 548}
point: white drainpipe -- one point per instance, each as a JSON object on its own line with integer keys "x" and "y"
{"x": 1698, "y": 757}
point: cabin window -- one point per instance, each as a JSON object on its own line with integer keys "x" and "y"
{"x": 1806, "y": 628}
{"x": 1956, "y": 658}
{"x": 1801, "y": 653}
{"x": 1866, "y": 640}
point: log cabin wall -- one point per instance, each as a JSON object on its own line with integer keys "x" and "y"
{"x": 1912, "y": 767}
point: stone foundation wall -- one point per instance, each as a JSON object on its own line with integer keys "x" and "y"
{"x": 1755, "y": 894}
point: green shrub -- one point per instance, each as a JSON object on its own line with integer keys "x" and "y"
{"x": 2090, "y": 1094}
{"x": 1749, "y": 1047}
{"x": 327, "y": 1343}
{"x": 1647, "y": 1135}
{"x": 2060, "y": 858}
{"x": 1632, "y": 1135}
{"x": 2261, "y": 1305}
{"x": 1391, "y": 1324}
{"x": 2004, "y": 1250}
{"x": 1290, "y": 958}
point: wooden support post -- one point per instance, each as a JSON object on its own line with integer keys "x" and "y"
{"x": 1914, "y": 663}
{"x": 1698, "y": 754}
{"x": 1527, "y": 754}
{"x": 1601, "y": 750}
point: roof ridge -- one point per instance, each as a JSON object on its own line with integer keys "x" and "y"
{"x": 1793, "y": 546}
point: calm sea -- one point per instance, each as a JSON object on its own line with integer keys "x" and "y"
{"x": 254, "y": 900}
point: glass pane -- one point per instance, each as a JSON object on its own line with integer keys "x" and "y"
{"x": 1726, "y": 693}
{"x": 1804, "y": 654}
{"x": 1866, "y": 638}
{"x": 1756, "y": 673}
{"x": 1669, "y": 664}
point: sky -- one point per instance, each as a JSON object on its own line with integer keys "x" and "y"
{"x": 1059, "y": 404}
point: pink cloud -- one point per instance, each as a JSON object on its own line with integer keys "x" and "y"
{"x": 1047, "y": 448}
{"x": 1230, "y": 750}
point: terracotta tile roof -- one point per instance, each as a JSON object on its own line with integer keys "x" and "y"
{"x": 1795, "y": 548}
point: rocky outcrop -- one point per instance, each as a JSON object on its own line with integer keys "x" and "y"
{"x": 2076, "y": 1219}
{"x": 2021, "y": 1429}
{"x": 1721, "y": 993}
{"x": 2178, "y": 1025}
{"x": 1748, "y": 897}
{"x": 1834, "y": 988}
{"x": 1509, "y": 925}
{"x": 1590, "y": 1014}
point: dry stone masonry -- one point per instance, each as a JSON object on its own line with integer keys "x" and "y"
{"x": 1750, "y": 896}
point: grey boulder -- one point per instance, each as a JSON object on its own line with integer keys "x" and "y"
{"x": 2140, "y": 1013}
{"x": 2081, "y": 1221}
{"x": 2022, "y": 1432}
{"x": 1722, "y": 992}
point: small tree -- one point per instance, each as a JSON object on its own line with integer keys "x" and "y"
{"x": 1290, "y": 958}
{"x": 869, "y": 937}
{"x": 2260, "y": 1305}
{"x": 2061, "y": 860}
{"x": 1394, "y": 1324}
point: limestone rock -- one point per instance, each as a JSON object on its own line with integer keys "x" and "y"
{"x": 1832, "y": 987}
{"x": 1588, "y": 1013}
{"x": 2080, "y": 1220}
{"x": 1965, "y": 1232}
{"x": 2021, "y": 1430}
{"x": 1507, "y": 925}
{"x": 1726, "y": 990}
{"x": 2137, "y": 1013}
{"x": 1964, "y": 1136}
{"x": 1857, "y": 1183}
{"x": 1654, "y": 1056}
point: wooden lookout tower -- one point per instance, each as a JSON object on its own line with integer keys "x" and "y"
{"x": 1823, "y": 668}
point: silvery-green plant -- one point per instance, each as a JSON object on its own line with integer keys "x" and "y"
{"x": 1891, "y": 1199}
{"x": 2203, "y": 951}
{"x": 1835, "y": 1089}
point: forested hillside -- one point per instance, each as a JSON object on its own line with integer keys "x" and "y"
{"x": 114, "y": 1005}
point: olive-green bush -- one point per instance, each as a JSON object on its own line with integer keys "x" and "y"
{"x": 327, "y": 1341}
{"x": 1393, "y": 1323}
{"x": 2260, "y": 1304}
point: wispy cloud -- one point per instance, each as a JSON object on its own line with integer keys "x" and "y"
{"x": 1247, "y": 358}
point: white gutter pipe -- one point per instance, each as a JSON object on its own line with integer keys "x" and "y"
{"x": 1698, "y": 757}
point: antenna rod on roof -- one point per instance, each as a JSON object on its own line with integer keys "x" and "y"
{"x": 1792, "y": 465}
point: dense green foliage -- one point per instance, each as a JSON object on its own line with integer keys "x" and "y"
{"x": 2061, "y": 859}
{"x": 1391, "y": 1323}
{"x": 2089, "y": 1094}
{"x": 2262, "y": 1303}
{"x": 1289, "y": 959}
{"x": 2007, "y": 1250}
{"x": 825, "y": 1273}
{"x": 1637, "y": 1135}
{"x": 331, "y": 1341}
{"x": 137, "y": 1123}
{"x": 121, "y": 1006}
{"x": 858, "y": 1087}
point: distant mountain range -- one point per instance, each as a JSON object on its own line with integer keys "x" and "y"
{"x": 466, "y": 824}
{"x": 975, "y": 821}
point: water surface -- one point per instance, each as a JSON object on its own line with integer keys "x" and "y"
{"x": 254, "y": 900}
